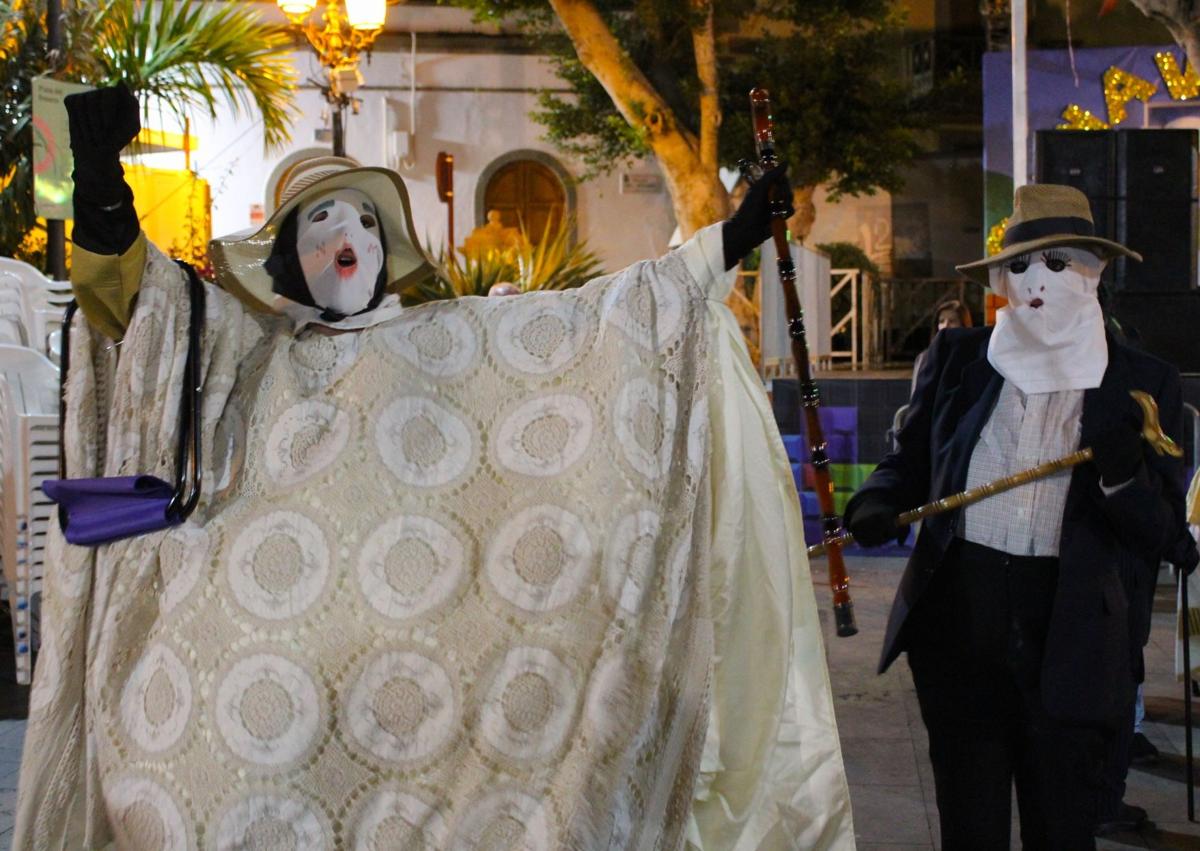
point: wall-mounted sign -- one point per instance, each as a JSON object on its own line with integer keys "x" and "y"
{"x": 52, "y": 160}
{"x": 640, "y": 183}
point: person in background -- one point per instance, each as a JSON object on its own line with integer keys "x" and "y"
{"x": 950, "y": 313}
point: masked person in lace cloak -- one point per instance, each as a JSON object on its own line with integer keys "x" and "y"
{"x": 519, "y": 572}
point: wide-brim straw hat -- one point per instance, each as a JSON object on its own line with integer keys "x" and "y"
{"x": 238, "y": 258}
{"x": 1047, "y": 215}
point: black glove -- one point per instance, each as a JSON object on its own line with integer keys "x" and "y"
{"x": 750, "y": 225}
{"x": 102, "y": 122}
{"x": 1184, "y": 554}
{"x": 1117, "y": 453}
{"x": 871, "y": 519}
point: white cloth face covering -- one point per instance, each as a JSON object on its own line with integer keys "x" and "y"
{"x": 341, "y": 250}
{"x": 1050, "y": 337}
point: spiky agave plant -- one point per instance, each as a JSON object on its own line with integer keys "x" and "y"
{"x": 454, "y": 277}
{"x": 182, "y": 54}
{"x": 557, "y": 262}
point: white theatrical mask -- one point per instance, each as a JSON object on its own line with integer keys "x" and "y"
{"x": 1050, "y": 337}
{"x": 340, "y": 249}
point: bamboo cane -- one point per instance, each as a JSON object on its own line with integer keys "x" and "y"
{"x": 1152, "y": 433}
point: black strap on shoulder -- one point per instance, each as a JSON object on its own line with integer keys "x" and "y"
{"x": 188, "y": 462}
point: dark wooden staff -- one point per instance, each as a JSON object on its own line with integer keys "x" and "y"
{"x": 839, "y": 581}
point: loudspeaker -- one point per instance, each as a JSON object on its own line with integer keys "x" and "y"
{"x": 1156, "y": 185}
{"x": 1087, "y": 160}
{"x": 1166, "y": 325}
{"x": 1141, "y": 185}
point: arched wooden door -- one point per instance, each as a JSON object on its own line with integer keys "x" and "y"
{"x": 526, "y": 192}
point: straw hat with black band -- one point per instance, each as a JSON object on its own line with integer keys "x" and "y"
{"x": 1047, "y": 215}
{"x": 238, "y": 258}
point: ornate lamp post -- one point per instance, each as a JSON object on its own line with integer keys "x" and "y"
{"x": 338, "y": 38}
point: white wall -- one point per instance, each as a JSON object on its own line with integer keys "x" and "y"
{"x": 474, "y": 106}
{"x": 865, "y": 221}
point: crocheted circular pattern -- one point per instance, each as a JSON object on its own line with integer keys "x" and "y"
{"x": 268, "y": 710}
{"x": 423, "y": 443}
{"x": 540, "y": 558}
{"x": 504, "y": 818}
{"x": 541, "y": 333}
{"x": 393, "y": 819}
{"x": 269, "y": 822}
{"x": 648, "y": 312}
{"x": 545, "y": 436}
{"x": 409, "y": 566}
{"x": 435, "y": 341}
{"x": 629, "y": 558}
{"x": 279, "y": 565}
{"x": 307, "y": 438}
{"x": 530, "y": 704}
{"x": 645, "y": 425}
{"x": 182, "y": 556}
{"x": 143, "y": 815}
{"x": 320, "y": 360}
{"x": 156, "y": 703}
{"x": 402, "y": 708}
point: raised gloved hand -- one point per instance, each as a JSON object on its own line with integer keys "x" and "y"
{"x": 102, "y": 122}
{"x": 871, "y": 519}
{"x": 1117, "y": 453}
{"x": 750, "y": 225}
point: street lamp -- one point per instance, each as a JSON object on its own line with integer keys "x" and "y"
{"x": 338, "y": 38}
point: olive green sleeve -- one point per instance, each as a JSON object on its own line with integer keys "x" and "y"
{"x": 106, "y": 285}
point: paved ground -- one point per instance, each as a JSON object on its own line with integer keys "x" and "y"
{"x": 884, "y": 742}
{"x": 886, "y": 749}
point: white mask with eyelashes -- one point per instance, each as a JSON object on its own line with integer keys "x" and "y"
{"x": 1050, "y": 337}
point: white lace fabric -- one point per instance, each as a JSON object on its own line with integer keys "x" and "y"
{"x": 451, "y": 583}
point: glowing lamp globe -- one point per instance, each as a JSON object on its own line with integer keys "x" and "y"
{"x": 296, "y": 8}
{"x": 366, "y": 14}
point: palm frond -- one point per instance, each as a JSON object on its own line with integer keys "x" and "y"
{"x": 189, "y": 54}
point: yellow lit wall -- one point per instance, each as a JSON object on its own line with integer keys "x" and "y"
{"x": 174, "y": 207}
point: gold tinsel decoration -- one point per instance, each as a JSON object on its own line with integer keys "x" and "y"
{"x": 995, "y": 237}
{"x": 1120, "y": 87}
{"x": 1181, "y": 85}
{"x": 1075, "y": 117}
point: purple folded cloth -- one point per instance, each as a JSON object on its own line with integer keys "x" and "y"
{"x": 97, "y": 511}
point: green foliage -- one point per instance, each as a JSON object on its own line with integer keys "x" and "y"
{"x": 847, "y": 255}
{"x": 182, "y": 54}
{"x": 556, "y": 263}
{"x": 188, "y": 54}
{"x": 843, "y": 114}
{"x": 22, "y": 57}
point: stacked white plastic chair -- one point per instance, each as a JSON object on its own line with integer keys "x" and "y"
{"x": 28, "y": 438}
{"x": 42, "y": 301}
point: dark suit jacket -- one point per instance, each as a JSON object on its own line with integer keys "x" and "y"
{"x": 1086, "y": 672}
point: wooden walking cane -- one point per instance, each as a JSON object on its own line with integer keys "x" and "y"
{"x": 839, "y": 582}
{"x": 1151, "y": 431}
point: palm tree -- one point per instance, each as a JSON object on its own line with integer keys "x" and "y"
{"x": 180, "y": 55}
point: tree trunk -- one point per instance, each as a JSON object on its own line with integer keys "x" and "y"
{"x": 801, "y": 224}
{"x": 697, "y": 195}
{"x": 1180, "y": 21}
{"x": 704, "y": 46}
